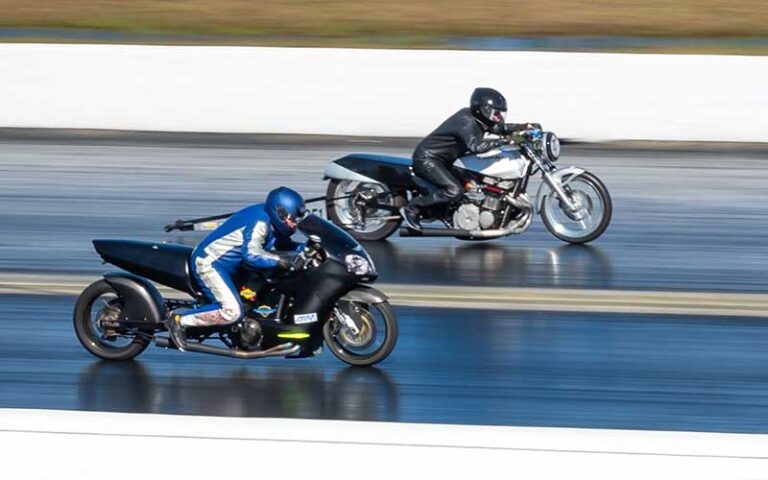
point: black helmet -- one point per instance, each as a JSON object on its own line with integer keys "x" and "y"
{"x": 488, "y": 106}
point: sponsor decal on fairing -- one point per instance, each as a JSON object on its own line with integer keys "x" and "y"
{"x": 305, "y": 318}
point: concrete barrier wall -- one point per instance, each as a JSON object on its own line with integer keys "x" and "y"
{"x": 50, "y": 444}
{"x": 379, "y": 92}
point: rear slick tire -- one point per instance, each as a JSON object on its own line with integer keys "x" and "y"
{"x": 89, "y": 337}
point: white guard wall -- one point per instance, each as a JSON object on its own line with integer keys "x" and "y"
{"x": 379, "y": 92}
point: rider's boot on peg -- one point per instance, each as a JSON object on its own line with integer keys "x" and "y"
{"x": 176, "y": 330}
{"x": 412, "y": 216}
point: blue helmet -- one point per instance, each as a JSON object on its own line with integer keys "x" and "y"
{"x": 285, "y": 208}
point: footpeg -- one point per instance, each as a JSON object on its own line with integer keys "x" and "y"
{"x": 411, "y": 218}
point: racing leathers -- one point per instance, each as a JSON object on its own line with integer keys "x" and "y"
{"x": 245, "y": 239}
{"x": 459, "y": 135}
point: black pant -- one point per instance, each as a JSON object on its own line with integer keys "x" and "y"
{"x": 435, "y": 172}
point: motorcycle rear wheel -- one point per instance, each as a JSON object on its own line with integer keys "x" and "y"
{"x": 349, "y": 348}
{"x": 342, "y": 212}
{"x": 100, "y": 341}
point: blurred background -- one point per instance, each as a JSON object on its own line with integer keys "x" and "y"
{"x": 680, "y": 26}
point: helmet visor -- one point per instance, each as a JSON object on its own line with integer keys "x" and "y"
{"x": 497, "y": 116}
{"x": 494, "y": 115}
{"x": 290, "y": 219}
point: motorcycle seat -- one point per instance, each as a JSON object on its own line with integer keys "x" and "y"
{"x": 164, "y": 263}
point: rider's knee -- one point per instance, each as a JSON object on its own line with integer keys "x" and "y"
{"x": 231, "y": 312}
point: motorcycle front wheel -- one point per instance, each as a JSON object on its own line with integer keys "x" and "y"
{"x": 361, "y": 222}
{"x": 591, "y": 216}
{"x": 373, "y": 342}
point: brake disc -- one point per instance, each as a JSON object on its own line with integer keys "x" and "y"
{"x": 367, "y": 333}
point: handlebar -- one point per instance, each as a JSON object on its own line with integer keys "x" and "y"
{"x": 531, "y": 133}
{"x": 305, "y": 258}
{"x": 528, "y": 134}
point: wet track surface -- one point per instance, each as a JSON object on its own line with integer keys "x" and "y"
{"x": 450, "y": 366}
{"x": 682, "y": 220}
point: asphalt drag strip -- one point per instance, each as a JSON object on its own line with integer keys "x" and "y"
{"x": 456, "y": 366}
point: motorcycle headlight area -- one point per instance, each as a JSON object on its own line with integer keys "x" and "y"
{"x": 358, "y": 265}
{"x": 550, "y": 146}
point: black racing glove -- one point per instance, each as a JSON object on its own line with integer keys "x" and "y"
{"x": 496, "y": 143}
{"x": 517, "y": 127}
{"x": 290, "y": 261}
{"x": 487, "y": 145}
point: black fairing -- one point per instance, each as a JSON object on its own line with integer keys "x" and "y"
{"x": 317, "y": 290}
{"x": 143, "y": 303}
{"x": 389, "y": 170}
{"x": 164, "y": 263}
{"x": 335, "y": 241}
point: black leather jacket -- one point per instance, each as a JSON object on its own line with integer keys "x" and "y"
{"x": 459, "y": 135}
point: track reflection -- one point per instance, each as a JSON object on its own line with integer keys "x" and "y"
{"x": 349, "y": 394}
{"x": 490, "y": 264}
{"x": 665, "y": 234}
{"x": 485, "y": 264}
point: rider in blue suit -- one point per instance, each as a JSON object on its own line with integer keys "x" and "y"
{"x": 249, "y": 237}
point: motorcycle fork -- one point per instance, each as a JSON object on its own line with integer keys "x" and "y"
{"x": 559, "y": 189}
{"x": 546, "y": 172}
{"x": 346, "y": 320}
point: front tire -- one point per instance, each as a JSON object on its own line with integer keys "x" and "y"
{"x": 588, "y": 222}
{"x": 345, "y": 213}
{"x": 97, "y": 303}
{"x": 375, "y": 321}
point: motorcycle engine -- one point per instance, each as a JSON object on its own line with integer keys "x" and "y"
{"x": 467, "y": 217}
{"x": 250, "y": 334}
{"x": 477, "y": 217}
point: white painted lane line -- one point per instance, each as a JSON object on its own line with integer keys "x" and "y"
{"x": 487, "y": 298}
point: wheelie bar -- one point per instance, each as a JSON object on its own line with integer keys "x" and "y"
{"x": 189, "y": 225}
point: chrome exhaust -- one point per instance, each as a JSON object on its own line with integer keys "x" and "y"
{"x": 281, "y": 350}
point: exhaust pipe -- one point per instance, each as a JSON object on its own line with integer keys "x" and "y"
{"x": 281, "y": 350}
{"x": 433, "y": 232}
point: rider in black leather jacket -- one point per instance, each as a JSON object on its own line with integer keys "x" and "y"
{"x": 462, "y": 133}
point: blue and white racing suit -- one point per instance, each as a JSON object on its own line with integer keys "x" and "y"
{"x": 247, "y": 237}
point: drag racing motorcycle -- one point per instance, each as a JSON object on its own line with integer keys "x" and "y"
{"x": 366, "y": 191}
{"x": 324, "y": 298}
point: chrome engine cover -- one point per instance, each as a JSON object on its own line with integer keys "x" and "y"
{"x": 467, "y": 217}
{"x": 487, "y": 219}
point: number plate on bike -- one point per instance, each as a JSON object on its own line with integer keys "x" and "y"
{"x": 305, "y": 318}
